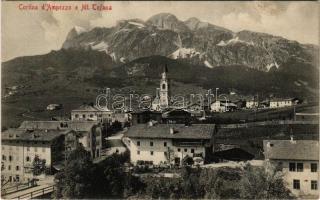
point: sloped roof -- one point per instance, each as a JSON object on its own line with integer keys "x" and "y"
{"x": 280, "y": 99}
{"x": 86, "y": 107}
{"x": 35, "y": 135}
{"x": 291, "y": 150}
{"x": 55, "y": 125}
{"x": 195, "y": 131}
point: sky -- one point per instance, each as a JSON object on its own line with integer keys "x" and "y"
{"x": 34, "y": 32}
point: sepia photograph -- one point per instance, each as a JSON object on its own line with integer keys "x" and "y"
{"x": 160, "y": 99}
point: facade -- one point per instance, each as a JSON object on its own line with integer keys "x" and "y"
{"x": 162, "y": 100}
{"x": 251, "y": 104}
{"x": 91, "y": 113}
{"x": 299, "y": 161}
{"x": 162, "y": 143}
{"x": 280, "y": 103}
{"x": 20, "y": 147}
{"x": 217, "y": 107}
{"x": 91, "y": 132}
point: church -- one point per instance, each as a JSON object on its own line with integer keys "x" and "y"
{"x": 162, "y": 101}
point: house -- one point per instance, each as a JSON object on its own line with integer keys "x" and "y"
{"x": 252, "y": 104}
{"x": 163, "y": 143}
{"x": 91, "y": 132}
{"x": 299, "y": 161}
{"x": 176, "y": 116}
{"x": 280, "y": 103}
{"x": 89, "y": 112}
{"x": 144, "y": 116}
{"x": 217, "y": 107}
{"x": 21, "y": 147}
{"x": 54, "y": 106}
{"x": 223, "y": 106}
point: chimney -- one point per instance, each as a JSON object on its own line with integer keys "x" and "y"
{"x": 171, "y": 131}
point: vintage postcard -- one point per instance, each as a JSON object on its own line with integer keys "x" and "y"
{"x": 159, "y": 100}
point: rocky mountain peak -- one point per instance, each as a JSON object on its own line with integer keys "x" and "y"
{"x": 167, "y": 21}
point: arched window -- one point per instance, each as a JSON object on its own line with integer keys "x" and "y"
{"x": 27, "y": 158}
{"x": 163, "y": 86}
{"x": 76, "y": 115}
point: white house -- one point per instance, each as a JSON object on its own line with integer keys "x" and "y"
{"x": 91, "y": 113}
{"x": 280, "y": 103}
{"x": 251, "y": 104}
{"x": 20, "y": 147}
{"x": 217, "y": 107}
{"x": 299, "y": 161}
{"x": 162, "y": 143}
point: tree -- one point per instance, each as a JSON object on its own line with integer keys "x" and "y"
{"x": 75, "y": 180}
{"x": 263, "y": 183}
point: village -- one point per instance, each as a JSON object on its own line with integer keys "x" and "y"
{"x": 162, "y": 137}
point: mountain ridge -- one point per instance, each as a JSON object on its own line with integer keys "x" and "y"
{"x": 163, "y": 34}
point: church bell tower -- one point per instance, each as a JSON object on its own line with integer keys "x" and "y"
{"x": 164, "y": 89}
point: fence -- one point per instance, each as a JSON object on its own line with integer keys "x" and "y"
{"x": 264, "y": 123}
{"x": 37, "y": 193}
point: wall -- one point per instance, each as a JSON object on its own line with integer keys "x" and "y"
{"x": 20, "y": 152}
{"x": 159, "y": 150}
{"x": 305, "y": 177}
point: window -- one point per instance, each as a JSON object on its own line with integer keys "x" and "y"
{"x": 296, "y": 184}
{"x": 35, "y": 149}
{"x": 165, "y": 144}
{"x": 9, "y": 167}
{"x": 192, "y": 150}
{"x": 43, "y": 150}
{"x": 179, "y": 149}
{"x": 91, "y": 115}
{"x": 4, "y": 157}
{"x": 165, "y": 153}
{"x": 83, "y": 116}
{"x": 28, "y": 148}
{"x": 27, "y": 158}
{"x": 138, "y": 152}
{"x": 10, "y": 158}
{"x": 185, "y": 150}
{"x": 299, "y": 167}
{"x": 138, "y": 143}
{"x": 314, "y": 185}
{"x": 17, "y": 178}
{"x": 2, "y": 147}
{"x": 163, "y": 86}
{"x": 151, "y": 153}
{"x": 314, "y": 167}
{"x": 17, "y": 168}
{"x": 292, "y": 167}
{"x": 151, "y": 144}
